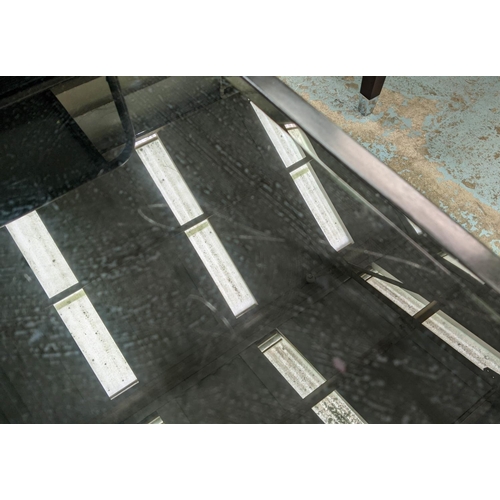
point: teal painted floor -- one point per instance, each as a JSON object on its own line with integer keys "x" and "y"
{"x": 441, "y": 134}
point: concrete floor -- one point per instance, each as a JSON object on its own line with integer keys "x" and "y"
{"x": 441, "y": 134}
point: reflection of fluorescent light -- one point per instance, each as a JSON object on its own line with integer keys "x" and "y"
{"x": 321, "y": 207}
{"x": 447, "y": 329}
{"x": 406, "y": 300}
{"x": 145, "y": 140}
{"x": 456, "y": 263}
{"x": 96, "y": 343}
{"x": 302, "y": 140}
{"x": 304, "y": 378}
{"x": 76, "y": 310}
{"x": 297, "y": 371}
{"x": 289, "y": 152}
{"x": 414, "y": 226}
{"x": 334, "y": 409}
{"x": 203, "y": 237}
{"x": 463, "y": 341}
{"x": 169, "y": 181}
{"x": 306, "y": 180}
{"x": 156, "y": 420}
{"x": 316, "y": 198}
{"x": 220, "y": 266}
{"x": 42, "y": 254}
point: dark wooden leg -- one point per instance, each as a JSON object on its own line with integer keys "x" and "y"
{"x": 371, "y": 86}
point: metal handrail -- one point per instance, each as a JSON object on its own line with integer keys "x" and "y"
{"x": 446, "y": 232}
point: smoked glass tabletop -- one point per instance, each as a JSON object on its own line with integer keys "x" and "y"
{"x": 234, "y": 271}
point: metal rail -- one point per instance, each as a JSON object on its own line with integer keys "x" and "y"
{"x": 450, "y": 235}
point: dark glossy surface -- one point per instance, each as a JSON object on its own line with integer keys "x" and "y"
{"x": 196, "y": 362}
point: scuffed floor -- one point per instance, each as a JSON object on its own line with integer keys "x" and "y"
{"x": 441, "y": 134}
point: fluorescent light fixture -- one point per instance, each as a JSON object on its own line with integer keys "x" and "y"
{"x": 220, "y": 266}
{"x": 458, "y": 264}
{"x": 408, "y": 301}
{"x": 304, "y": 378}
{"x": 316, "y": 198}
{"x": 301, "y": 139}
{"x": 42, "y": 254}
{"x": 334, "y": 409}
{"x": 306, "y": 180}
{"x": 289, "y": 152}
{"x": 463, "y": 341}
{"x": 156, "y": 420}
{"x": 144, "y": 140}
{"x": 321, "y": 207}
{"x": 96, "y": 343}
{"x": 297, "y": 371}
{"x": 447, "y": 329}
{"x": 203, "y": 237}
{"x": 76, "y": 310}
{"x": 169, "y": 181}
{"x": 414, "y": 226}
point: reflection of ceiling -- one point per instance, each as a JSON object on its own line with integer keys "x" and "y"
{"x": 95, "y": 93}
{"x": 37, "y": 167}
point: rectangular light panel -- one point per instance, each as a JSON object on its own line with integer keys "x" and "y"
{"x": 296, "y": 370}
{"x": 156, "y": 420}
{"x": 42, "y": 254}
{"x": 443, "y": 326}
{"x": 463, "y": 341}
{"x": 220, "y": 267}
{"x": 406, "y": 300}
{"x": 289, "y": 152}
{"x": 301, "y": 139}
{"x": 334, "y": 409}
{"x": 304, "y": 378}
{"x": 96, "y": 343}
{"x": 458, "y": 264}
{"x": 316, "y": 198}
{"x": 321, "y": 207}
{"x": 414, "y": 226}
{"x": 306, "y": 181}
{"x": 169, "y": 181}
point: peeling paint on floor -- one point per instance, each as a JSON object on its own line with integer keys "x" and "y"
{"x": 441, "y": 134}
